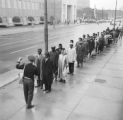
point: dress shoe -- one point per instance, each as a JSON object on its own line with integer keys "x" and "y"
{"x": 30, "y": 106}
{"x": 47, "y": 91}
{"x": 37, "y": 86}
{"x": 60, "y": 80}
{"x": 64, "y": 81}
{"x": 41, "y": 87}
{"x": 71, "y": 73}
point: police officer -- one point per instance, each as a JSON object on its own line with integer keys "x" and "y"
{"x": 28, "y": 79}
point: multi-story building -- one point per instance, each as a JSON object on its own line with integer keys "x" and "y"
{"x": 21, "y": 11}
{"x": 62, "y": 10}
{"x": 16, "y": 12}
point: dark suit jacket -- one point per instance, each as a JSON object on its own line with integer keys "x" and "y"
{"x": 47, "y": 70}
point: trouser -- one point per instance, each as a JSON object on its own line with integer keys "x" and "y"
{"x": 39, "y": 82}
{"x": 71, "y": 67}
{"x": 97, "y": 48}
{"x": 55, "y": 72}
{"x": 47, "y": 83}
{"x": 28, "y": 86}
{"x": 115, "y": 39}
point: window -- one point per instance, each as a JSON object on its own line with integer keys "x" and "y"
{"x": 38, "y": 6}
{"x": 19, "y": 4}
{"x": 33, "y": 6}
{"x": 15, "y": 3}
{"x": 3, "y": 3}
{"x": 24, "y": 5}
{"x": 8, "y": 4}
{"x": 30, "y": 5}
{"x": 41, "y": 6}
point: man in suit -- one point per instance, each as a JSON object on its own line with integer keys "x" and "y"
{"x": 47, "y": 72}
{"x": 38, "y": 62}
{"x": 54, "y": 59}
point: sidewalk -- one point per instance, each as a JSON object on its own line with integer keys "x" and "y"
{"x": 94, "y": 92}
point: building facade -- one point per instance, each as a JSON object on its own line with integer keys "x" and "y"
{"x": 62, "y": 10}
{"x": 21, "y": 11}
{"x": 27, "y": 11}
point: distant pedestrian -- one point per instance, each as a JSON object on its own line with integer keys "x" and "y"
{"x": 30, "y": 70}
{"x": 80, "y": 53}
{"x": 121, "y": 33}
{"x": 97, "y": 43}
{"x": 114, "y": 33}
{"x": 89, "y": 40}
{"x": 71, "y": 54}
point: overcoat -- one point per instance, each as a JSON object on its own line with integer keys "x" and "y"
{"x": 47, "y": 71}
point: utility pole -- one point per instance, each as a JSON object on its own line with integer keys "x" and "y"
{"x": 45, "y": 26}
{"x": 115, "y": 14}
{"x": 102, "y": 13}
{"x": 54, "y": 15}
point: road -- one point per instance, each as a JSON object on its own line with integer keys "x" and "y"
{"x": 23, "y": 44}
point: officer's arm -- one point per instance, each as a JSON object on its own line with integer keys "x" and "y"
{"x": 20, "y": 66}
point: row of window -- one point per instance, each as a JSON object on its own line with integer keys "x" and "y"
{"x": 21, "y": 4}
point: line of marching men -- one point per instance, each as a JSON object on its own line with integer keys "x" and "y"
{"x": 53, "y": 65}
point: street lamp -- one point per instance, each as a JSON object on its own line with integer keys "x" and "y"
{"x": 45, "y": 26}
{"x": 115, "y": 14}
{"x": 102, "y": 13}
{"x": 54, "y": 15}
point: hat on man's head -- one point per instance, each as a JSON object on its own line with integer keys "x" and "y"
{"x": 53, "y": 47}
{"x": 71, "y": 41}
{"x": 31, "y": 58}
{"x": 47, "y": 54}
{"x": 39, "y": 49}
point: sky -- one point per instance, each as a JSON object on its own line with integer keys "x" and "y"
{"x": 106, "y": 4}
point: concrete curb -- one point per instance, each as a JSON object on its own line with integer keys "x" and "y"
{"x": 8, "y": 77}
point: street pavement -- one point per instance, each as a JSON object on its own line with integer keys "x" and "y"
{"x": 23, "y": 41}
{"x": 94, "y": 92}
